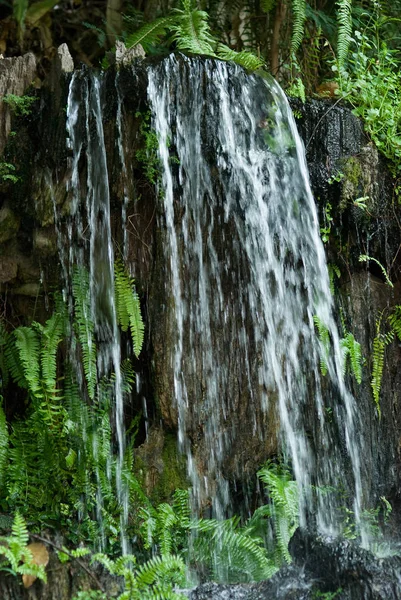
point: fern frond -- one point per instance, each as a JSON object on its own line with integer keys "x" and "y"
{"x": 28, "y": 346}
{"x": 19, "y": 530}
{"x": 352, "y": 349}
{"x": 395, "y": 321}
{"x": 324, "y": 338}
{"x": 52, "y": 334}
{"x": 128, "y": 307}
{"x": 299, "y": 16}
{"x": 150, "y": 34}
{"x": 379, "y": 345}
{"x": 85, "y": 327}
{"x": 344, "y": 20}
{"x": 365, "y": 258}
{"x": 192, "y": 31}
{"x": 247, "y": 60}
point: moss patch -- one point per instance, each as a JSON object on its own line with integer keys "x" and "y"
{"x": 160, "y": 467}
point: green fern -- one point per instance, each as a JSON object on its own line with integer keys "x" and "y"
{"x": 27, "y": 343}
{"x": 324, "y": 338}
{"x": 395, "y": 321}
{"x": 379, "y": 345}
{"x": 344, "y": 35}
{"x": 17, "y": 557}
{"x": 192, "y": 31}
{"x": 365, "y": 258}
{"x": 85, "y": 327}
{"x": 284, "y": 510}
{"x": 128, "y": 307}
{"x": 247, "y": 60}
{"x": 150, "y": 34}
{"x": 352, "y": 349}
{"x": 299, "y": 16}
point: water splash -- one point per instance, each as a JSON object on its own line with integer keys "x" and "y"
{"x": 246, "y": 276}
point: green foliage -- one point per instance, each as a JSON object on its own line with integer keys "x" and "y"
{"x": 365, "y": 258}
{"x": 84, "y": 326}
{"x": 298, "y": 15}
{"x": 7, "y": 171}
{"x": 379, "y": 345}
{"x": 150, "y": 34}
{"x": 352, "y": 350}
{"x": 153, "y": 580}
{"x": 191, "y": 30}
{"x": 325, "y": 344}
{"x": 17, "y": 557}
{"x": 344, "y": 19}
{"x": 371, "y": 82}
{"x": 395, "y": 321}
{"x": 128, "y": 306}
{"x": 283, "y": 510}
{"x": 188, "y": 28}
{"x": 20, "y": 105}
{"x": 148, "y": 154}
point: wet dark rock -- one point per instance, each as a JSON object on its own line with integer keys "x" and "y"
{"x": 338, "y": 568}
{"x": 288, "y": 584}
{"x": 341, "y": 564}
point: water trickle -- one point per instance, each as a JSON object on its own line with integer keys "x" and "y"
{"x": 90, "y": 243}
{"x": 246, "y": 274}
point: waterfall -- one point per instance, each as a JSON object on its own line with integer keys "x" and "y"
{"x": 89, "y": 239}
{"x": 245, "y": 276}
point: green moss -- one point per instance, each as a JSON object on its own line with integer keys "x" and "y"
{"x": 352, "y": 182}
{"x": 160, "y": 467}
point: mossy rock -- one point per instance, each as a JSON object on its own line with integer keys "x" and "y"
{"x": 160, "y": 467}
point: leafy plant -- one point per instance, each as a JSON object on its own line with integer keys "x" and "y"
{"x": 18, "y": 558}
{"x": 379, "y": 345}
{"x": 20, "y": 105}
{"x": 188, "y": 28}
{"x": 7, "y": 171}
{"x": 128, "y": 306}
{"x": 352, "y": 355}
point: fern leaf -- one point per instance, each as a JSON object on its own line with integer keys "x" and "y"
{"x": 128, "y": 307}
{"x": 352, "y": 349}
{"x": 28, "y": 346}
{"x": 299, "y": 16}
{"x": 52, "y": 335}
{"x": 85, "y": 327}
{"x": 365, "y": 258}
{"x": 19, "y": 530}
{"x": 247, "y": 60}
{"x": 395, "y": 321}
{"x": 192, "y": 31}
{"x": 150, "y": 34}
{"x": 324, "y": 338}
{"x": 344, "y": 19}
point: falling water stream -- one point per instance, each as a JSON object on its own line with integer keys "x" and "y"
{"x": 245, "y": 271}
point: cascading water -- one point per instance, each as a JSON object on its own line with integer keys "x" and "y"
{"x": 90, "y": 243}
{"x": 245, "y": 277}
{"x": 246, "y": 274}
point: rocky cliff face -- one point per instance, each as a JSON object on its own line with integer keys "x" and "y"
{"x": 337, "y": 151}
